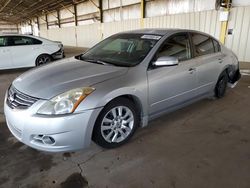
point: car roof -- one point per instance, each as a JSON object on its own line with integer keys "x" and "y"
{"x": 163, "y": 31}
{"x": 14, "y": 34}
{"x": 154, "y": 31}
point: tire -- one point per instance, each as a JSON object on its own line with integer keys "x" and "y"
{"x": 221, "y": 85}
{"x": 116, "y": 123}
{"x": 43, "y": 59}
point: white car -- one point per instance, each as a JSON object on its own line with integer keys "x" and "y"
{"x": 18, "y": 51}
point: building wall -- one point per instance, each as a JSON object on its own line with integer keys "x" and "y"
{"x": 239, "y": 41}
{"x": 8, "y": 28}
{"x": 88, "y": 35}
{"x": 206, "y": 21}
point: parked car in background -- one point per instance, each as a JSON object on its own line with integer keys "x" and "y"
{"x": 18, "y": 51}
{"x": 118, "y": 85}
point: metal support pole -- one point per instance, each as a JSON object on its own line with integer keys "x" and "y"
{"x": 31, "y": 26}
{"x": 38, "y": 24}
{"x": 224, "y": 24}
{"x": 101, "y": 11}
{"x": 143, "y": 12}
{"x": 47, "y": 23}
{"x": 58, "y": 18}
{"x": 75, "y": 15}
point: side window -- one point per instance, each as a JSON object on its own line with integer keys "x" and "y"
{"x": 3, "y": 41}
{"x": 19, "y": 40}
{"x": 203, "y": 45}
{"x": 216, "y": 46}
{"x": 176, "y": 46}
{"x": 36, "y": 41}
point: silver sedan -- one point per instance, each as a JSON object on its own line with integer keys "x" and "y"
{"x": 115, "y": 87}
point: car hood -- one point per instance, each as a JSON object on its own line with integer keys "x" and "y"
{"x": 48, "y": 81}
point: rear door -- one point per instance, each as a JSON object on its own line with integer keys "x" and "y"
{"x": 24, "y": 50}
{"x": 209, "y": 58}
{"x": 172, "y": 85}
{"x": 5, "y": 54}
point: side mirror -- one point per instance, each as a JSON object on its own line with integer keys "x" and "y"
{"x": 166, "y": 61}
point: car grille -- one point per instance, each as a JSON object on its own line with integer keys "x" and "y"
{"x": 18, "y": 100}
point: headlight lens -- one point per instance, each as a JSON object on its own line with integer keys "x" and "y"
{"x": 65, "y": 103}
{"x": 60, "y": 45}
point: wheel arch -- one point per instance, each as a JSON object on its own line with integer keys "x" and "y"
{"x": 133, "y": 98}
{"x": 41, "y": 55}
{"x": 229, "y": 69}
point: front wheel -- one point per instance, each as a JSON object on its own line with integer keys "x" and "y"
{"x": 43, "y": 59}
{"x": 221, "y": 86}
{"x": 116, "y": 123}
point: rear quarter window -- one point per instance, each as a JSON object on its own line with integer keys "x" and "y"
{"x": 36, "y": 41}
{"x": 216, "y": 46}
{"x": 203, "y": 44}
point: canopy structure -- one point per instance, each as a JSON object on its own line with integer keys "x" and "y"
{"x": 16, "y": 11}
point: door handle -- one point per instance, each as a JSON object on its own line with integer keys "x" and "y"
{"x": 191, "y": 70}
{"x": 5, "y": 50}
{"x": 220, "y": 60}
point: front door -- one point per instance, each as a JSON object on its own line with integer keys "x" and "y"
{"x": 172, "y": 85}
{"x": 5, "y": 55}
{"x": 23, "y": 51}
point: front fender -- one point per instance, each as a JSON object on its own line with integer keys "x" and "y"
{"x": 100, "y": 99}
{"x": 133, "y": 83}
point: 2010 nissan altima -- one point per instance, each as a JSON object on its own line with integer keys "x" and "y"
{"x": 120, "y": 84}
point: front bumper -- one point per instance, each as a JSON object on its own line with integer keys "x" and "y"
{"x": 68, "y": 133}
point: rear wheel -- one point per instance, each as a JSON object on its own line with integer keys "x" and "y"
{"x": 43, "y": 59}
{"x": 116, "y": 123}
{"x": 221, "y": 86}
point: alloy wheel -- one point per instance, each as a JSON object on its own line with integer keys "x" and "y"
{"x": 117, "y": 124}
{"x": 43, "y": 60}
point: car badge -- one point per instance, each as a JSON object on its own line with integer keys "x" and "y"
{"x": 12, "y": 98}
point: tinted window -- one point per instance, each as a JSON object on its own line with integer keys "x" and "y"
{"x": 3, "y": 41}
{"x": 203, "y": 45}
{"x": 216, "y": 46}
{"x": 36, "y": 41}
{"x": 19, "y": 40}
{"x": 177, "y": 46}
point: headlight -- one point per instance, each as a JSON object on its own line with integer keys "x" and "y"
{"x": 60, "y": 45}
{"x": 65, "y": 103}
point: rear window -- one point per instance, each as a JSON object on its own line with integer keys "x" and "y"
{"x": 203, "y": 45}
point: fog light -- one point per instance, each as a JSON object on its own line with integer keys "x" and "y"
{"x": 48, "y": 140}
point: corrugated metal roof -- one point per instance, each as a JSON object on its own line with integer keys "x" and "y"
{"x": 15, "y": 11}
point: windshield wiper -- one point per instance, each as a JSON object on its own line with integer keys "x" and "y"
{"x": 97, "y": 61}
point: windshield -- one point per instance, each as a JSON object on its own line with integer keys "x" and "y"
{"x": 122, "y": 50}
